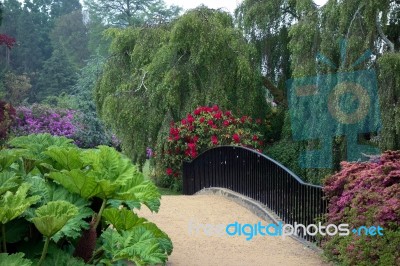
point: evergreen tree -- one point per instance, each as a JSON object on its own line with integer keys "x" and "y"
{"x": 58, "y": 76}
{"x": 71, "y": 35}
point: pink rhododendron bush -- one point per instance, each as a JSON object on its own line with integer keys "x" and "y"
{"x": 366, "y": 194}
{"x": 204, "y": 128}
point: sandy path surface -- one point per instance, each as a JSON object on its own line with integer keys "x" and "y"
{"x": 180, "y": 213}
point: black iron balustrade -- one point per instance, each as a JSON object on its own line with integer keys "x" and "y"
{"x": 259, "y": 177}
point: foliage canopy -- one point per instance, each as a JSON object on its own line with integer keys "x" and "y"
{"x": 159, "y": 74}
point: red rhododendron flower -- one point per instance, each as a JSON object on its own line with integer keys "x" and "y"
{"x": 174, "y": 131}
{"x": 258, "y": 121}
{"x": 190, "y": 119}
{"x": 169, "y": 171}
{"x": 193, "y": 153}
{"x": 214, "y": 140}
{"x": 217, "y": 115}
{"x": 206, "y": 127}
{"x": 187, "y": 152}
{"x": 192, "y": 146}
{"x": 236, "y": 138}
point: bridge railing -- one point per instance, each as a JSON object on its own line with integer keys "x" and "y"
{"x": 259, "y": 177}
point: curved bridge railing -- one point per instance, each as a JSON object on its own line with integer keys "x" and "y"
{"x": 259, "y": 177}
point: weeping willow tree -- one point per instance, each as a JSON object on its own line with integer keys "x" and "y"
{"x": 158, "y": 74}
{"x": 340, "y": 35}
{"x": 266, "y": 24}
{"x": 315, "y": 41}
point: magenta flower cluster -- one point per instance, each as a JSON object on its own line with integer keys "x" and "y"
{"x": 40, "y": 119}
{"x": 367, "y": 194}
{"x": 370, "y": 190}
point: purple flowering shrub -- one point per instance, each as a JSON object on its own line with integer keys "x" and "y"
{"x": 83, "y": 128}
{"x": 365, "y": 194}
{"x": 43, "y": 119}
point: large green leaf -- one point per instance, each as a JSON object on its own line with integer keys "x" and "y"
{"x": 13, "y": 205}
{"x": 8, "y": 180}
{"x": 138, "y": 245}
{"x": 16, "y": 259}
{"x": 59, "y": 257}
{"x": 67, "y": 158}
{"x": 109, "y": 164}
{"x": 163, "y": 239}
{"x": 32, "y": 148}
{"x": 7, "y": 158}
{"x": 122, "y": 219}
{"x": 40, "y": 142}
{"x": 53, "y": 216}
{"x": 73, "y": 228}
{"x": 77, "y": 181}
{"x": 105, "y": 172}
{"x": 139, "y": 190}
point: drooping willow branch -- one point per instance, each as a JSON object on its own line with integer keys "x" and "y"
{"x": 382, "y": 34}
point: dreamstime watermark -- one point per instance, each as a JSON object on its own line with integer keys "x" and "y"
{"x": 283, "y": 230}
{"x": 331, "y": 105}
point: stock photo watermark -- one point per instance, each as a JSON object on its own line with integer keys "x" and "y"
{"x": 249, "y": 231}
{"x": 333, "y": 105}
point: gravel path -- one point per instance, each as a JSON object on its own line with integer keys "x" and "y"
{"x": 180, "y": 213}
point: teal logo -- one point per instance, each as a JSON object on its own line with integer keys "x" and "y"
{"x": 332, "y": 105}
